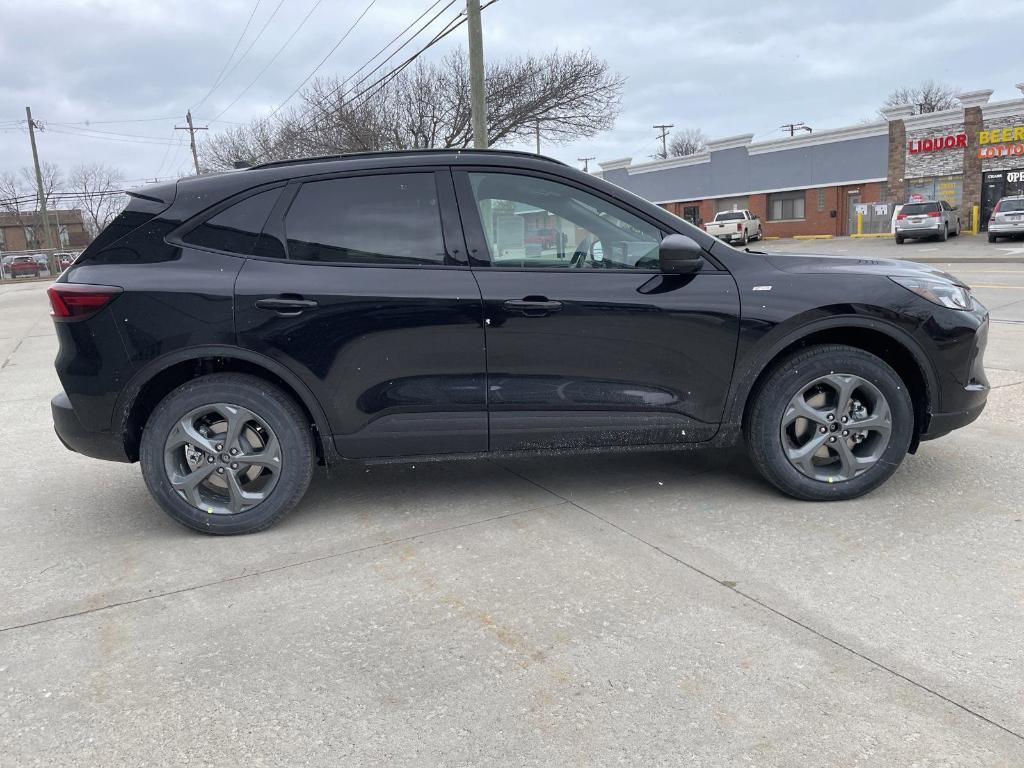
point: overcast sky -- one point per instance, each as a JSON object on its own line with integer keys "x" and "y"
{"x": 726, "y": 68}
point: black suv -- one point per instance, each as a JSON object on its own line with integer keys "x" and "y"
{"x": 230, "y": 331}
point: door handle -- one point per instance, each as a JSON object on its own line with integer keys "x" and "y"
{"x": 287, "y": 306}
{"x": 533, "y": 307}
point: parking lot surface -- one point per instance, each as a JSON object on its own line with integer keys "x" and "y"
{"x": 641, "y": 609}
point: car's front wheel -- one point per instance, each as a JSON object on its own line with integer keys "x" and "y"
{"x": 227, "y": 453}
{"x": 829, "y": 422}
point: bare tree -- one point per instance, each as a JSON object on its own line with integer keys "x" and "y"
{"x": 929, "y": 96}
{"x": 570, "y": 95}
{"x": 96, "y": 188}
{"x": 688, "y": 141}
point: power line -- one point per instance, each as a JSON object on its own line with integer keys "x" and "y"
{"x": 281, "y": 50}
{"x": 66, "y": 128}
{"x": 154, "y": 141}
{"x": 325, "y": 58}
{"x": 452, "y": 25}
{"x": 396, "y": 37}
{"x": 238, "y": 42}
{"x": 348, "y": 88}
{"x": 381, "y": 82}
{"x": 252, "y": 43}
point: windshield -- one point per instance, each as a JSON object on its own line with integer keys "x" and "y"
{"x": 730, "y": 216}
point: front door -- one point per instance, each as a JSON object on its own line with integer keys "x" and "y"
{"x": 588, "y": 344}
{"x": 372, "y": 304}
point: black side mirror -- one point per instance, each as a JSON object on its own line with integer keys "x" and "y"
{"x": 680, "y": 255}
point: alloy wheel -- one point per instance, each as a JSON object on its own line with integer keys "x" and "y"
{"x": 222, "y": 459}
{"x": 836, "y": 427}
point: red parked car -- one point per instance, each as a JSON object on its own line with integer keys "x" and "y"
{"x": 24, "y": 266}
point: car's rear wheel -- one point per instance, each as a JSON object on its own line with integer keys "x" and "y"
{"x": 992, "y": 238}
{"x": 944, "y": 234}
{"x": 899, "y": 240}
{"x": 830, "y": 422}
{"x": 227, "y": 454}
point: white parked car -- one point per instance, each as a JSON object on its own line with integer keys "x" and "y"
{"x": 735, "y": 227}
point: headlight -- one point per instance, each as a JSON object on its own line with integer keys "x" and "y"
{"x": 941, "y": 292}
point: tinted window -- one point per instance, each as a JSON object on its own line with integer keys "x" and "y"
{"x": 392, "y": 219}
{"x": 1011, "y": 205}
{"x": 917, "y": 209}
{"x": 734, "y": 216}
{"x": 535, "y": 223}
{"x": 237, "y": 228}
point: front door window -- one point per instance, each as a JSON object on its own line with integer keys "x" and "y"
{"x": 534, "y": 223}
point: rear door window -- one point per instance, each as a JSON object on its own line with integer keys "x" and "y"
{"x": 389, "y": 219}
{"x": 237, "y": 228}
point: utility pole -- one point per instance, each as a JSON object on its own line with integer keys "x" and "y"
{"x": 664, "y": 137}
{"x": 192, "y": 136}
{"x": 586, "y": 163}
{"x": 477, "y": 97}
{"x": 794, "y": 127}
{"x": 538, "y": 135}
{"x": 40, "y": 192}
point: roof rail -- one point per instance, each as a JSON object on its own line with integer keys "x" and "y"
{"x": 399, "y": 152}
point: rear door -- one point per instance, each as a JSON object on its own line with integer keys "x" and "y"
{"x": 588, "y": 344}
{"x": 363, "y": 290}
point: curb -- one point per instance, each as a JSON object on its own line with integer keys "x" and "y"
{"x": 813, "y": 237}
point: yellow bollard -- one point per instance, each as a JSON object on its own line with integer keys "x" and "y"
{"x": 860, "y": 224}
{"x": 975, "y": 220}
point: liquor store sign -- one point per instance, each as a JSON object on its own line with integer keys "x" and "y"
{"x": 1001, "y": 142}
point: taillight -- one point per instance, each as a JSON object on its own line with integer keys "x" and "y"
{"x": 934, "y": 214}
{"x": 900, "y": 216}
{"x": 75, "y": 301}
{"x": 996, "y": 209}
{"x": 739, "y": 227}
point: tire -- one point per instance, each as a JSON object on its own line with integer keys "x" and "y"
{"x": 992, "y": 238}
{"x": 771, "y": 403}
{"x": 745, "y": 240}
{"x": 945, "y": 233}
{"x": 760, "y": 235}
{"x": 899, "y": 240}
{"x": 274, "y": 414}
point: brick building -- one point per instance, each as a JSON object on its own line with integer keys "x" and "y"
{"x": 25, "y": 231}
{"x": 823, "y": 183}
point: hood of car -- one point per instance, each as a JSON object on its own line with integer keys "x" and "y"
{"x": 814, "y": 264}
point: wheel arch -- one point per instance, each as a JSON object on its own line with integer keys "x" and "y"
{"x": 887, "y": 342}
{"x": 158, "y": 378}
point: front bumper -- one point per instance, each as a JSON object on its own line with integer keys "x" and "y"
{"x": 75, "y": 437}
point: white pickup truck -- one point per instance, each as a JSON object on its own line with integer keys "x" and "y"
{"x": 735, "y": 227}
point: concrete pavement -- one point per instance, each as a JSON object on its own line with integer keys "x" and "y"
{"x": 645, "y": 609}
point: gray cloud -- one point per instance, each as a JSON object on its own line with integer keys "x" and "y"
{"x": 724, "y": 67}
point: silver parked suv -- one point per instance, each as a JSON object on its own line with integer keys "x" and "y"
{"x": 1007, "y": 218}
{"x": 935, "y": 218}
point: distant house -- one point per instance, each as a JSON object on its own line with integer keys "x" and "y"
{"x": 25, "y": 231}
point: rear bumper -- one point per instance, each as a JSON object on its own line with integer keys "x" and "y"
{"x": 75, "y": 437}
{"x": 919, "y": 232}
{"x": 1006, "y": 229}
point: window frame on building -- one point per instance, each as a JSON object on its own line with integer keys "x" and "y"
{"x": 791, "y": 198}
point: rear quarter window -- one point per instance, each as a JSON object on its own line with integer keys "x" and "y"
{"x": 236, "y": 229}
